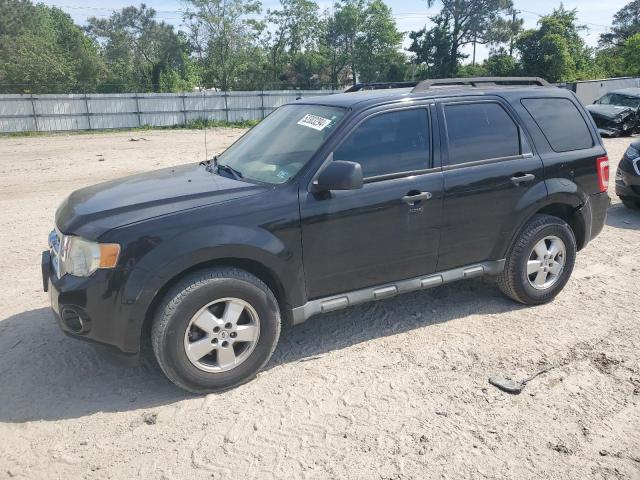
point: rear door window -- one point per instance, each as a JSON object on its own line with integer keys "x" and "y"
{"x": 480, "y": 131}
{"x": 561, "y": 123}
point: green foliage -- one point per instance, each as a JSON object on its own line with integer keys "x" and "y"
{"x": 630, "y": 54}
{"x": 139, "y": 50}
{"x": 555, "y": 50}
{"x": 42, "y": 51}
{"x": 231, "y": 45}
{"x": 626, "y": 23}
{"x": 464, "y": 22}
{"x": 224, "y": 37}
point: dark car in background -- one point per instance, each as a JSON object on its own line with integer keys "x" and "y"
{"x": 628, "y": 177}
{"x": 617, "y": 113}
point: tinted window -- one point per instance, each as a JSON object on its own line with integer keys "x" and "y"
{"x": 561, "y": 123}
{"x": 480, "y": 131}
{"x": 389, "y": 143}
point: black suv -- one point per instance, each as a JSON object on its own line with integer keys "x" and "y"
{"x": 330, "y": 202}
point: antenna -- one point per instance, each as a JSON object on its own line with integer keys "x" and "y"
{"x": 206, "y": 121}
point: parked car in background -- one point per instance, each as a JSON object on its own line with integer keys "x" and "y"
{"x": 330, "y": 202}
{"x": 617, "y": 113}
{"x": 628, "y": 177}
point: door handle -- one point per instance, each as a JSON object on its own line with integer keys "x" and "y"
{"x": 524, "y": 178}
{"x": 411, "y": 199}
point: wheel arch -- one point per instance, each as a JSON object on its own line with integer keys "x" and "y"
{"x": 260, "y": 270}
{"x": 572, "y": 213}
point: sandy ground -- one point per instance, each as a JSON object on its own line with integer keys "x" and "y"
{"x": 392, "y": 390}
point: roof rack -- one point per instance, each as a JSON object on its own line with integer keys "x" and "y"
{"x": 379, "y": 86}
{"x": 480, "y": 82}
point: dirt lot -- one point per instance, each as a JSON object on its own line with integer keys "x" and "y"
{"x": 395, "y": 390}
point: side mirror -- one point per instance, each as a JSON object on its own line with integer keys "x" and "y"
{"x": 339, "y": 175}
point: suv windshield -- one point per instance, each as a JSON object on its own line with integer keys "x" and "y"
{"x": 620, "y": 100}
{"x": 279, "y": 146}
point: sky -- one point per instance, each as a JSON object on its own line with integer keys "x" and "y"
{"x": 409, "y": 14}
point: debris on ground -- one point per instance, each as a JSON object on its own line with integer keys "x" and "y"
{"x": 132, "y": 139}
{"x": 150, "y": 418}
{"x": 512, "y": 386}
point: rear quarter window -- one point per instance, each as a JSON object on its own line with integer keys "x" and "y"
{"x": 561, "y": 123}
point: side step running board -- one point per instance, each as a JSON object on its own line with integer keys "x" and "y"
{"x": 379, "y": 292}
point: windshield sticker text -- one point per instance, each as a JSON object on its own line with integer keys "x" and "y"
{"x": 315, "y": 122}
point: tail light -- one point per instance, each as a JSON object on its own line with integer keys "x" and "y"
{"x": 603, "y": 173}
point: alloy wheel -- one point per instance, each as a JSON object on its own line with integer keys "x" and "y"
{"x": 546, "y": 262}
{"x": 222, "y": 335}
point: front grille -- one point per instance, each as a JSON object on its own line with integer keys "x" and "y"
{"x": 602, "y": 122}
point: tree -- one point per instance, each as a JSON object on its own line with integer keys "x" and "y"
{"x": 224, "y": 36}
{"x": 506, "y": 29}
{"x": 555, "y": 50}
{"x": 296, "y": 28}
{"x": 432, "y": 48}
{"x": 630, "y": 55}
{"x": 469, "y": 22}
{"x": 137, "y": 47}
{"x": 43, "y": 51}
{"x": 376, "y": 50}
{"x": 626, "y": 23}
{"x": 502, "y": 64}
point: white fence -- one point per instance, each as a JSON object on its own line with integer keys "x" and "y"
{"x": 590, "y": 90}
{"x": 48, "y": 113}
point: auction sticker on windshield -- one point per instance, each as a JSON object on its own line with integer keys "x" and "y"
{"x": 315, "y": 122}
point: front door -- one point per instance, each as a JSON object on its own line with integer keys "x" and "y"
{"x": 388, "y": 230}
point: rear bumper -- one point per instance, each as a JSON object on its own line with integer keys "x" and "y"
{"x": 88, "y": 309}
{"x": 598, "y": 204}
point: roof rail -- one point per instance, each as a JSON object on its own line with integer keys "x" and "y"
{"x": 379, "y": 86}
{"x": 480, "y": 82}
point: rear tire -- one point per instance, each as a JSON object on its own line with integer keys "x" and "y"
{"x": 215, "y": 330}
{"x": 631, "y": 204}
{"x": 539, "y": 262}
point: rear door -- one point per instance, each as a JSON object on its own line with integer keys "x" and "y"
{"x": 390, "y": 228}
{"x": 489, "y": 169}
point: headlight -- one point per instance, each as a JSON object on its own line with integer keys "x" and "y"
{"x": 80, "y": 257}
{"x": 632, "y": 153}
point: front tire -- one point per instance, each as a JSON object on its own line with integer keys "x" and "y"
{"x": 215, "y": 330}
{"x": 540, "y": 261}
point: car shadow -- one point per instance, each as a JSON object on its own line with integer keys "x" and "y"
{"x": 619, "y": 216}
{"x": 45, "y": 375}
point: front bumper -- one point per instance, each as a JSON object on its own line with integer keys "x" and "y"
{"x": 627, "y": 183}
{"x": 88, "y": 308}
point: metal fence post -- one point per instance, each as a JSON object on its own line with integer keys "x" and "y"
{"x": 86, "y": 107}
{"x": 262, "y": 103}
{"x": 35, "y": 115}
{"x": 226, "y": 106}
{"x": 184, "y": 108}
{"x": 138, "y": 110}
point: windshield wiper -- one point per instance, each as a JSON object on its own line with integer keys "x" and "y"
{"x": 212, "y": 164}
{"x": 226, "y": 168}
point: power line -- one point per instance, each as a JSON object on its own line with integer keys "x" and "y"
{"x": 163, "y": 13}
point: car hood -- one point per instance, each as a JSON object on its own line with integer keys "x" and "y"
{"x": 92, "y": 211}
{"x": 608, "y": 111}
